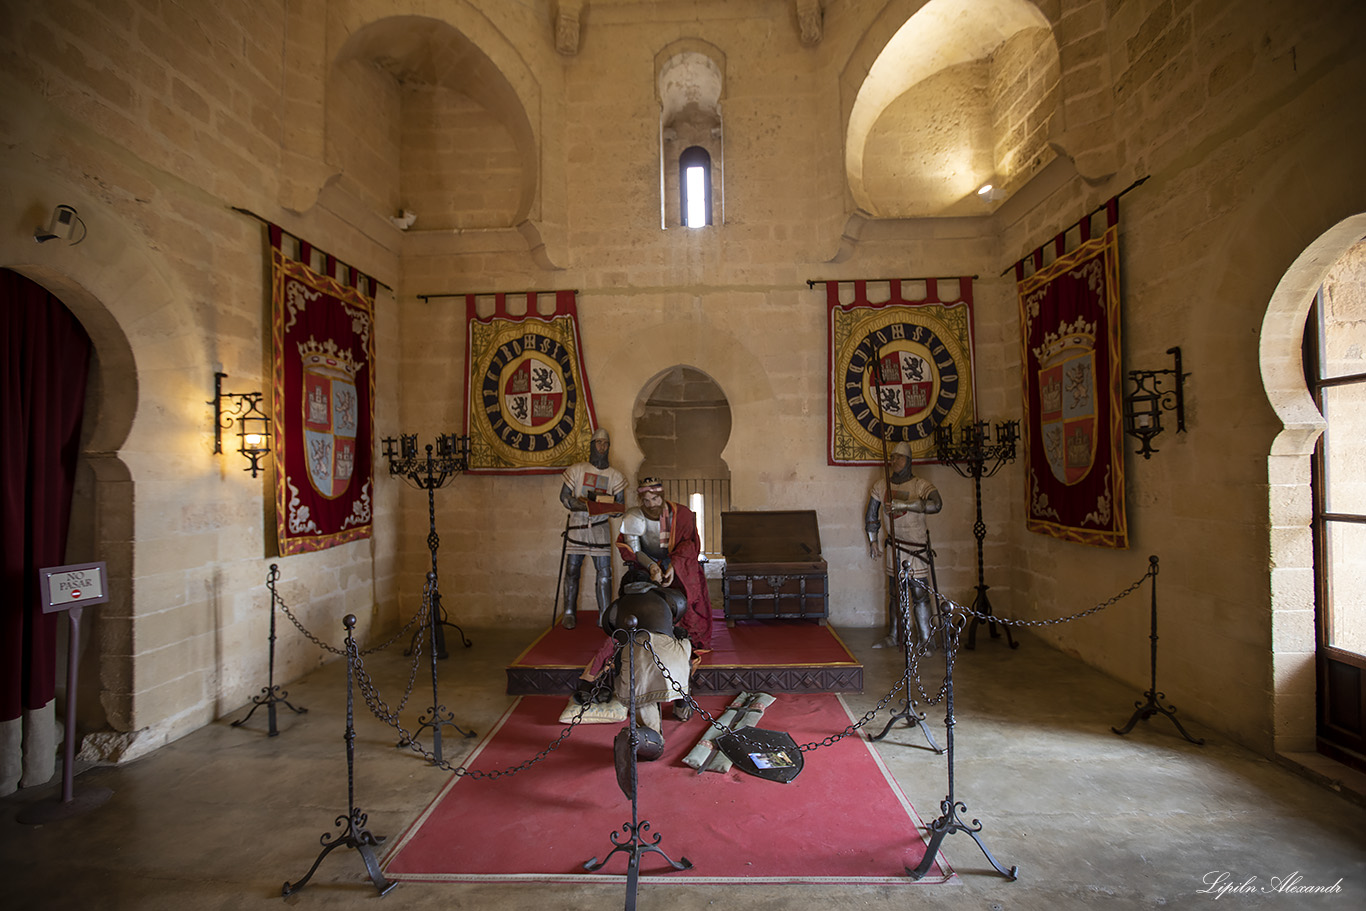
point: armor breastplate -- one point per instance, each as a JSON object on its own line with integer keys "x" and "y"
{"x": 642, "y": 534}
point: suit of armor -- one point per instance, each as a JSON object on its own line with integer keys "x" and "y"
{"x": 587, "y": 534}
{"x": 897, "y": 507}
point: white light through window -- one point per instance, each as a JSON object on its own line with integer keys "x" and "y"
{"x": 699, "y": 509}
{"x": 697, "y": 197}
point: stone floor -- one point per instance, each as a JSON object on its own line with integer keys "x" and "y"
{"x": 221, "y": 818}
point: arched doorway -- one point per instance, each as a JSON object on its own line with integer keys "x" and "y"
{"x": 1295, "y": 657}
{"x": 1335, "y": 371}
{"x": 682, "y": 423}
{"x": 101, "y": 512}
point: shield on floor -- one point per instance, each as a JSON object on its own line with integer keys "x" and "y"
{"x": 771, "y": 755}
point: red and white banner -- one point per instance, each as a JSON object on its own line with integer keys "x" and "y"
{"x": 323, "y": 395}
{"x": 1073, "y": 388}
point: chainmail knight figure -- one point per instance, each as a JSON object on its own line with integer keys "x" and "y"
{"x": 592, "y": 492}
{"x": 897, "y": 531}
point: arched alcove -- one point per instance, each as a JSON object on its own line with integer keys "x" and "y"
{"x": 420, "y": 118}
{"x": 959, "y": 95}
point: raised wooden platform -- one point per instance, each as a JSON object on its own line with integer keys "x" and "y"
{"x": 778, "y": 656}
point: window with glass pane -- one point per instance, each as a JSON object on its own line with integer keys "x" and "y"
{"x": 1336, "y": 353}
{"x": 695, "y": 186}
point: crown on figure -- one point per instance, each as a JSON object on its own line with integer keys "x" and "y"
{"x": 314, "y": 353}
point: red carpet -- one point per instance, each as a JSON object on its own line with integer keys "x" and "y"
{"x": 843, "y": 820}
{"x": 749, "y": 643}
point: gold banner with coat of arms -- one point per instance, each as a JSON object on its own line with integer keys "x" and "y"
{"x": 527, "y": 405}
{"x": 900, "y": 368}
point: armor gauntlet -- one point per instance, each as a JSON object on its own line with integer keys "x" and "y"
{"x": 871, "y": 522}
{"x": 571, "y": 502}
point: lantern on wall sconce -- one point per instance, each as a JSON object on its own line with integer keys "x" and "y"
{"x": 253, "y": 426}
{"x": 1155, "y": 391}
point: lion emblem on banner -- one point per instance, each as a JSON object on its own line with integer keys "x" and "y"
{"x": 898, "y": 373}
{"x": 527, "y": 404}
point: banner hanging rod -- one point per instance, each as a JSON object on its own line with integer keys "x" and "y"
{"x": 813, "y": 282}
{"x": 1094, "y": 212}
{"x": 427, "y": 297}
{"x": 268, "y": 223}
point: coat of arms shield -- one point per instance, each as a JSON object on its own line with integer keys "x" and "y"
{"x": 1067, "y": 403}
{"x": 331, "y": 417}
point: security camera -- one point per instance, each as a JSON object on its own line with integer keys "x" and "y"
{"x": 60, "y": 227}
{"x": 403, "y": 220}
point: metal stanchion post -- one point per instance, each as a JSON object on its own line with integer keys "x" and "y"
{"x": 355, "y": 835}
{"x": 270, "y": 693}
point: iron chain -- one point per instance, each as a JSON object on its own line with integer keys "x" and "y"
{"x": 951, "y": 620}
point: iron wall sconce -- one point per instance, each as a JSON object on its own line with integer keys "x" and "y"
{"x": 253, "y": 426}
{"x": 1154, "y": 392}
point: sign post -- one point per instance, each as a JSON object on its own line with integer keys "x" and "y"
{"x": 71, "y": 589}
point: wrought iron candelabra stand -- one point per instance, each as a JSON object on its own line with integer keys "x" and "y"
{"x": 633, "y": 845}
{"x": 355, "y": 835}
{"x": 908, "y": 712}
{"x": 974, "y": 455}
{"x": 436, "y": 470}
{"x": 949, "y": 822}
{"x": 271, "y": 695}
{"x": 438, "y": 716}
{"x": 431, "y": 473}
{"x": 1146, "y": 710}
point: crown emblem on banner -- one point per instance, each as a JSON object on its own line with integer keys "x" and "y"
{"x": 1071, "y": 339}
{"x": 326, "y": 354}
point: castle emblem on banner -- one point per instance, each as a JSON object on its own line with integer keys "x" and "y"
{"x": 331, "y": 415}
{"x": 1067, "y": 399}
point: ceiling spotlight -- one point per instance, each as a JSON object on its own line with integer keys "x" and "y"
{"x": 991, "y": 192}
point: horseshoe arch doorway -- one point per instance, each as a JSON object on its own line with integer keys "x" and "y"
{"x": 682, "y": 422}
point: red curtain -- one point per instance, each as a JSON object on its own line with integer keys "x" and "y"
{"x": 45, "y": 355}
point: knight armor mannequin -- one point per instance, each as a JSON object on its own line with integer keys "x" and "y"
{"x": 587, "y": 531}
{"x": 897, "y": 508}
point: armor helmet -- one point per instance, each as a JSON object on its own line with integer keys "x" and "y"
{"x": 597, "y": 457}
{"x": 902, "y": 474}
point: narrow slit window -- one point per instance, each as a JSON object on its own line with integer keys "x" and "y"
{"x": 695, "y": 186}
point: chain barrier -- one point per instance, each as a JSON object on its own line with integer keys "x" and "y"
{"x": 1053, "y": 621}
{"x": 365, "y": 651}
{"x": 951, "y": 620}
{"x": 378, "y": 708}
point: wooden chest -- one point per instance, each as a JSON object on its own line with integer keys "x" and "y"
{"x": 774, "y": 569}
